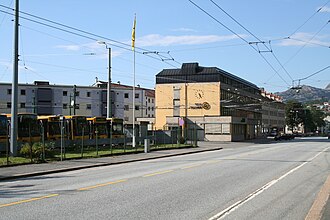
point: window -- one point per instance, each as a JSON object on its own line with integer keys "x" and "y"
{"x": 152, "y": 100}
{"x": 137, "y": 107}
{"x": 137, "y": 95}
{"x": 126, "y": 95}
{"x": 77, "y": 106}
{"x": 65, "y": 93}
{"x": 149, "y": 108}
{"x": 126, "y": 118}
{"x": 88, "y": 94}
{"x": 88, "y": 106}
{"x": 65, "y": 105}
{"x": 8, "y": 104}
{"x": 149, "y": 100}
{"x": 126, "y": 107}
{"x": 22, "y": 91}
{"x": 77, "y": 93}
{"x": 9, "y": 91}
{"x": 152, "y": 108}
{"x": 22, "y": 105}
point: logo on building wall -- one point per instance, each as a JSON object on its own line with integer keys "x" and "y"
{"x": 204, "y": 105}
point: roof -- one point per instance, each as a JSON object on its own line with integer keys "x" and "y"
{"x": 192, "y": 72}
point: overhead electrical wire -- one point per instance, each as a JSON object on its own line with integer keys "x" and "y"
{"x": 223, "y": 25}
{"x": 313, "y": 74}
{"x": 320, "y": 9}
{"x": 306, "y": 42}
{"x": 260, "y": 41}
{"x": 83, "y": 35}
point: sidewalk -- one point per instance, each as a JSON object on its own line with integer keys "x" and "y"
{"x": 13, "y": 172}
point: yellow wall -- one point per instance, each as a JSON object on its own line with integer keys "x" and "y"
{"x": 200, "y": 96}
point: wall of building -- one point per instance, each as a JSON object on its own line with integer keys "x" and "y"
{"x": 186, "y": 100}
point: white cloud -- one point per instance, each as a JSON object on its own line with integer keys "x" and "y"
{"x": 94, "y": 47}
{"x": 159, "y": 40}
{"x": 69, "y": 47}
{"x": 300, "y": 39}
{"x": 184, "y": 30}
{"x": 325, "y": 9}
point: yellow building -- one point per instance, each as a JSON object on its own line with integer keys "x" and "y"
{"x": 214, "y": 103}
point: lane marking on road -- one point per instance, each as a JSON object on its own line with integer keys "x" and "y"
{"x": 28, "y": 200}
{"x": 239, "y": 203}
{"x": 158, "y": 173}
{"x": 102, "y": 184}
{"x": 191, "y": 166}
{"x": 320, "y": 202}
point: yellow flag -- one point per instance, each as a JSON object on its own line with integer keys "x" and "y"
{"x": 133, "y": 34}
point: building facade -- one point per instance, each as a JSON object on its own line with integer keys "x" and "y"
{"x": 216, "y": 104}
{"x": 43, "y": 98}
{"x": 273, "y": 113}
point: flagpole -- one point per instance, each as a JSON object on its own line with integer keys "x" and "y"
{"x": 133, "y": 96}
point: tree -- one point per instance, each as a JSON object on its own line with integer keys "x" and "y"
{"x": 318, "y": 117}
{"x": 294, "y": 114}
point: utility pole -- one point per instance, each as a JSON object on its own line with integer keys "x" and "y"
{"x": 74, "y": 99}
{"x": 14, "y": 96}
{"x": 109, "y": 96}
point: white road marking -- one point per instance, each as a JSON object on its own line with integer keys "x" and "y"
{"x": 236, "y": 205}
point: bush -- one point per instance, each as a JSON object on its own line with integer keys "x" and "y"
{"x": 36, "y": 151}
{"x": 182, "y": 140}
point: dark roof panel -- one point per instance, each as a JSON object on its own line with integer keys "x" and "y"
{"x": 192, "y": 72}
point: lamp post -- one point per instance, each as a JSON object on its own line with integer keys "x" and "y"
{"x": 109, "y": 101}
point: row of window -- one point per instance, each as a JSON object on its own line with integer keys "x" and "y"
{"x": 88, "y": 107}
{"x": 88, "y": 94}
{"x": 23, "y": 92}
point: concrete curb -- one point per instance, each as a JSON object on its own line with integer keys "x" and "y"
{"x": 317, "y": 209}
{"x": 40, "y": 173}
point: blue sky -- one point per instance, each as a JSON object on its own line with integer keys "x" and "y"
{"x": 175, "y": 29}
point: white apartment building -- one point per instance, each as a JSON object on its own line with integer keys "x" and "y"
{"x": 43, "y": 98}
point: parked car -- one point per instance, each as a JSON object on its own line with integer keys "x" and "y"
{"x": 284, "y": 137}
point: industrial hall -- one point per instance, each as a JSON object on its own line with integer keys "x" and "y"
{"x": 209, "y": 103}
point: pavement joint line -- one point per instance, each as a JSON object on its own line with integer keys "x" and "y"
{"x": 31, "y": 174}
{"x": 317, "y": 209}
{"x": 158, "y": 173}
{"x": 28, "y": 200}
{"x": 102, "y": 184}
{"x": 255, "y": 193}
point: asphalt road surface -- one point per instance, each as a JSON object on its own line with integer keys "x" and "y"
{"x": 262, "y": 181}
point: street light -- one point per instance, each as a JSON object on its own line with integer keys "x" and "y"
{"x": 109, "y": 101}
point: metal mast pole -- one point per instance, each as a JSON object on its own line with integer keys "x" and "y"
{"x": 109, "y": 97}
{"x": 14, "y": 96}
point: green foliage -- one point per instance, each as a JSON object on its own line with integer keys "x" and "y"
{"x": 314, "y": 119}
{"x": 294, "y": 113}
{"x": 36, "y": 151}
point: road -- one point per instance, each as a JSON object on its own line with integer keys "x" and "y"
{"x": 262, "y": 181}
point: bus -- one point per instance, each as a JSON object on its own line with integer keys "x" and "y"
{"x": 51, "y": 126}
{"x": 98, "y": 125}
{"x": 28, "y": 127}
{"x": 116, "y": 127}
{"x": 3, "y": 129}
{"x": 76, "y": 127}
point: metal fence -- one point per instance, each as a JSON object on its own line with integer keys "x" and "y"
{"x": 65, "y": 149}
